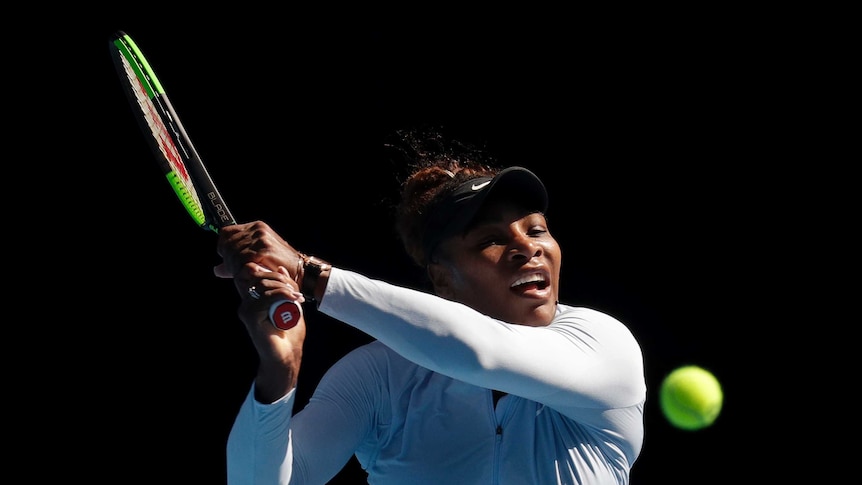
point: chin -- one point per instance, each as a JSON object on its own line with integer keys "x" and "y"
{"x": 544, "y": 314}
{"x": 529, "y": 312}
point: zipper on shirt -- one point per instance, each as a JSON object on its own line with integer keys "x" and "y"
{"x": 498, "y": 461}
{"x": 498, "y": 441}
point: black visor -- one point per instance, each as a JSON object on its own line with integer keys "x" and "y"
{"x": 454, "y": 213}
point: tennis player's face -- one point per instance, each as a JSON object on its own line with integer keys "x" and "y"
{"x": 507, "y": 265}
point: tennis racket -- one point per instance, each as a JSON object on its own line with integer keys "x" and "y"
{"x": 175, "y": 153}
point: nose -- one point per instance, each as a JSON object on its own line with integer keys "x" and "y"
{"x": 524, "y": 247}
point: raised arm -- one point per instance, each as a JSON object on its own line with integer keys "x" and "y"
{"x": 583, "y": 359}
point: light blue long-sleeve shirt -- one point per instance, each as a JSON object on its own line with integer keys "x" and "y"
{"x": 415, "y": 406}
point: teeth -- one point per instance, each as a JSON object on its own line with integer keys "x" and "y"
{"x": 530, "y": 278}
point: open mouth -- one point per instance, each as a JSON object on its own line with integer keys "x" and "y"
{"x": 530, "y": 281}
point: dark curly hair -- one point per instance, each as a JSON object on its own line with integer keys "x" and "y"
{"x": 437, "y": 166}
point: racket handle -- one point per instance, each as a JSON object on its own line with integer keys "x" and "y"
{"x": 285, "y": 314}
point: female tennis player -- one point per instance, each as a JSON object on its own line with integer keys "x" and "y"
{"x": 487, "y": 379}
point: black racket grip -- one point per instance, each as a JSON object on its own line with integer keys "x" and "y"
{"x": 285, "y": 314}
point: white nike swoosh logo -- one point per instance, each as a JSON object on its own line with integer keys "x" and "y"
{"x": 477, "y": 187}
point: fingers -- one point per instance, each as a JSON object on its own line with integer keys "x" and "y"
{"x": 273, "y": 301}
{"x": 229, "y": 246}
{"x": 257, "y": 242}
{"x": 291, "y": 290}
{"x": 257, "y": 282}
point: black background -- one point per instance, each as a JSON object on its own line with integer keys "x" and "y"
{"x": 666, "y": 147}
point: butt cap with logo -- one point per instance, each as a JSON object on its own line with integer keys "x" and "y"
{"x": 454, "y": 212}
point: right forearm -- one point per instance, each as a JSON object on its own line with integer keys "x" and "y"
{"x": 273, "y": 381}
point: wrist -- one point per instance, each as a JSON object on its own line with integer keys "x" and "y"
{"x": 312, "y": 268}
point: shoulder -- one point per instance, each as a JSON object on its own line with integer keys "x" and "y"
{"x": 373, "y": 368}
{"x": 567, "y": 313}
{"x": 593, "y": 324}
{"x": 374, "y": 350}
{"x": 374, "y": 357}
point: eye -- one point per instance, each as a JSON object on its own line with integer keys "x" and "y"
{"x": 488, "y": 241}
{"x": 537, "y": 230}
{"x": 487, "y": 236}
{"x": 536, "y": 224}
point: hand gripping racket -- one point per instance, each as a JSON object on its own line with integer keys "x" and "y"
{"x": 177, "y": 157}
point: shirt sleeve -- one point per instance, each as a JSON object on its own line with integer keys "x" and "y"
{"x": 583, "y": 359}
{"x": 269, "y": 444}
{"x": 258, "y": 448}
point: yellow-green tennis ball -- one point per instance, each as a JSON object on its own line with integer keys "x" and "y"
{"x": 691, "y": 397}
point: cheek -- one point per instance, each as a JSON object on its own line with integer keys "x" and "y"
{"x": 551, "y": 246}
{"x": 475, "y": 275}
{"x": 459, "y": 280}
{"x": 476, "y": 285}
{"x": 553, "y": 252}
